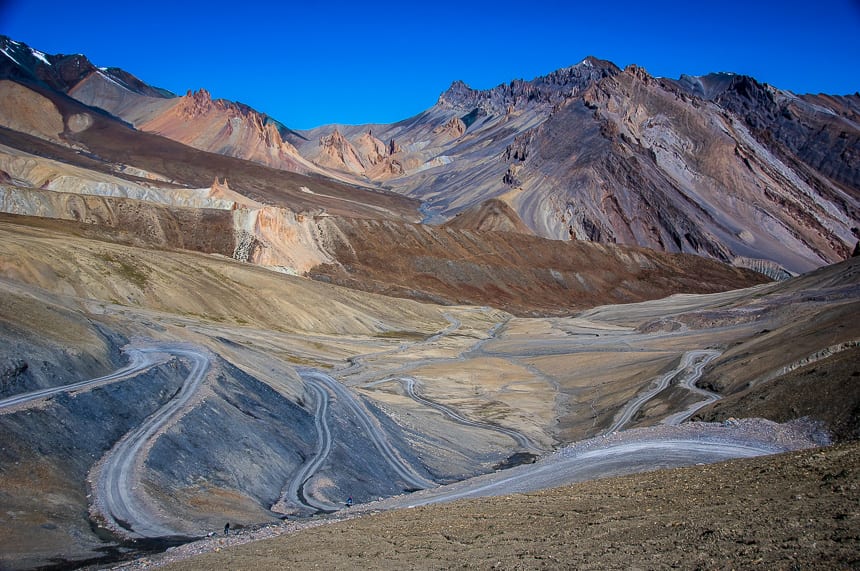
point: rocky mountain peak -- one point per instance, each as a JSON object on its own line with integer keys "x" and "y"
{"x": 195, "y": 104}
{"x": 457, "y": 93}
{"x": 637, "y": 72}
{"x": 336, "y": 139}
{"x": 338, "y": 153}
{"x": 705, "y": 86}
{"x": 63, "y": 72}
{"x": 135, "y": 84}
{"x": 549, "y": 89}
{"x": 60, "y": 72}
{"x": 372, "y": 150}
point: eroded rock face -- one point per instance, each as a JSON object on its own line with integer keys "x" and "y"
{"x": 453, "y": 128}
{"x": 636, "y": 160}
{"x": 551, "y": 89}
{"x": 371, "y": 150}
{"x": 227, "y": 128}
{"x": 821, "y": 133}
{"x": 719, "y": 166}
{"x": 338, "y": 153}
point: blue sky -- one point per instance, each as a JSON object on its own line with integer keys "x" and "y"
{"x": 310, "y": 63}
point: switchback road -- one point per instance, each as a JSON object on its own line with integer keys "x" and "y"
{"x": 689, "y": 383}
{"x": 377, "y": 436}
{"x": 692, "y": 363}
{"x": 294, "y": 492}
{"x": 118, "y": 476}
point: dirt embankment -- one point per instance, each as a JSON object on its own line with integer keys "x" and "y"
{"x": 792, "y": 511}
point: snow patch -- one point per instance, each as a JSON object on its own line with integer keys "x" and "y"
{"x": 112, "y": 80}
{"x": 40, "y": 55}
{"x": 8, "y": 55}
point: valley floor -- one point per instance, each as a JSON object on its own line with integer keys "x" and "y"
{"x": 302, "y": 375}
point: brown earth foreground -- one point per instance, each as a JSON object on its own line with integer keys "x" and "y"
{"x": 792, "y": 511}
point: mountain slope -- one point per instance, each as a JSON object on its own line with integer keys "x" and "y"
{"x": 448, "y": 156}
{"x": 522, "y": 274}
{"x": 71, "y": 133}
{"x": 634, "y": 162}
{"x": 195, "y": 119}
{"x": 719, "y": 166}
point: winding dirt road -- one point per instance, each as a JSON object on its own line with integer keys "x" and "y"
{"x": 627, "y": 452}
{"x": 377, "y": 436}
{"x": 116, "y": 481}
{"x": 294, "y": 492}
{"x": 409, "y": 386}
{"x": 693, "y": 362}
{"x": 689, "y": 383}
{"x": 140, "y": 360}
{"x": 118, "y": 477}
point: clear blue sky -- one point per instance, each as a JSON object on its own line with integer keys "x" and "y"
{"x": 310, "y": 63}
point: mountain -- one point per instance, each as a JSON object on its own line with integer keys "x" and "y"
{"x": 720, "y": 166}
{"x": 220, "y": 126}
{"x": 69, "y": 161}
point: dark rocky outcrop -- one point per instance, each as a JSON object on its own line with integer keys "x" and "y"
{"x": 550, "y": 89}
{"x": 798, "y": 128}
{"x": 63, "y": 72}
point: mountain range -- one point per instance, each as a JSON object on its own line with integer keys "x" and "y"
{"x": 719, "y": 166}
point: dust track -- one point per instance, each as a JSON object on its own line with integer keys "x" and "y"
{"x": 140, "y": 360}
{"x": 294, "y": 492}
{"x": 377, "y": 436}
{"x": 626, "y": 452}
